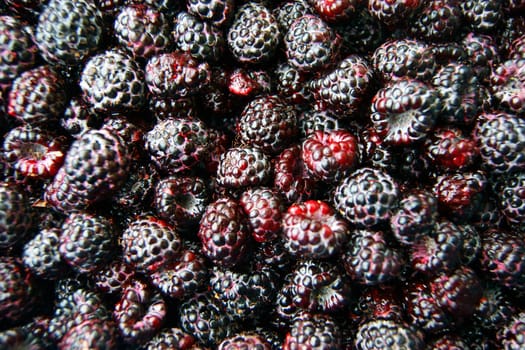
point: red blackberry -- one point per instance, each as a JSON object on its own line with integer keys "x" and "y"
{"x": 183, "y": 277}
{"x": 140, "y": 313}
{"x": 69, "y": 31}
{"x": 311, "y": 44}
{"x": 405, "y": 111}
{"x": 439, "y": 20}
{"x": 17, "y": 290}
{"x": 369, "y": 258}
{"x": 86, "y": 242}
{"x": 245, "y": 341}
{"x": 312, "y": 229}
{"x": 113, "y": 82}
{"x": 17, "y": 218}
{"x": 263, "y": 208}
{"x": 114, "y": 277}
{"x": 311, "y": 121}
{"x": 503, "y": 257}
{"x": 313, "y": 331}
{"x": 343, "y": 89}
{"x": 247, "y": 83}
{"x": 171, "y": 338}
{"x": 242, "y": 167}
{"x": 254, "y": 35}
{"x": 268, "y": 122}
{"x": 216, "y": 12}
{"x": 387, "y": 334}
{"x": 177, "y": 145}
{"x": 37, "y": 96}
{"x": 199, "y": 38}
{"x": 336, "y": 11}
{"x": 500, "y": 138}
{"x": 423, "y": 309}
{"x": 404, "y": 58}
{"x": 449, "y": 150}
{"x": 149, "y": 244}
{"x": 482, "y": 54}
{"x": 287, "y": 12}
{"x": 17, "y": 50}
{"x": 482, "y": 16}
{"x": 41, "y": 254}
{"x": 176, "y": 73}
{"x": 511, "y": 195}
{"x": 33, "y": 152}
{"x": 93, "y": 334}
{"x": 330, "y": 156}
{"x": 142, "y": 30}
{"x": 224, "y": 232}
{"x": 508, "y": 85}
{"x": 511, "y": 335}
{"x": 393, "y": 12}
{"x": 366, "y": 197}
{"x": 414, "y": 217}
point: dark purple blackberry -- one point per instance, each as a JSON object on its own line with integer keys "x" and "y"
{"x": 224, "y": 232}
{"x": 517, "y": 48}
{"x": 37, "y": 96}
{"x": 311, "y": 44}
{"x": 313, "y": 331}
{"x": 405, "y": 111}
{"x": 114, "y": 277}
{"x": 17, "y": 50}
{"x": 291, "y": 83}
{"x": 41, "y": 254}
{"x": 312, "y": 229}
{"x": 142, "y": 30}
{"x": 177, "y": 145}
{"x": 267, "y": 122}
{"x": 287, "y": 12}
{"x": 165, "y": 107}
{"x": 313, "y": 120}
{"x": 170, "y": 338}
{"x": 482, "y": 16}
{"x": 388, "y": 334}
{"x": 415, "y": 216}
{"x": 501, "y": 140}
{"x": 511, "y": 335}
{"x": 471, "y": 244}
{"x": 216, "y": 12}
{"x": 360, "y": 33}
{"x": 264, "y": 208}
{"x": 423, "y": 309}
{"x": 17, "y": 218}
{"x": 377, "y": 302}
{"x": 482, "y": 54}
{"x": 343, "y": 89}
{"x": 112, "y": 81}
{"x": 242, "y": 167}
{"x": 511, "y": 195}
{"x": 508, "y": 85}
{"x": 17, "y": 290}
{"x": 140, "y": 313}
{"x": 370, "y": 259}
{"x": 254, "y": 35}
{"x": 69, "y": 31}
{"x": 439, "y": 20}
{"x": 393, "y": 12}
{"x": 149, "y": 244}
{"x": 366, "y": 197}
{"x": 374, "y": 152}
{"x": 86, "y": 242}
{"x": 200, "y": 39}
{"x": 494, "y": 309}
{"x": 96, "y": 334}
{"x": 271, "y": 255}
{"x": 78, "y": 118}
{"x": 246, "y": 340}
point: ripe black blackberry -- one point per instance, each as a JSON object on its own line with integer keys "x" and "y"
{"x": 245, "y": 340}
{"x": 114, "y": 277}
{"x": 377, "y": 302}
{"x": 17, "y": 218}
{"x": 439, "y": 20}
{"x": 360, "y": 33}
{"x": 471, "y": 244}
{"x": 482, "y": 16}
{"x": 78, "y": 117}
{"x": 164, "y": 107}
{"x": 511, "y": 198}
{"x": 93, "y": 333}
{"x": 482, "y": 53}
{"x": 216, "y": 12}
{"x": 170, "y": 338}
{"x": 241, "y": 167}
{"x": 388, "y": 334}
{"x": 508, "y": 85}
{"x": 511, "y": 335}
{"x": 41, "y": 254}
{"x": 494, "y": 308}
{"x": 423, "y": 309}
{"x": 254, "y": 34}
{"x": 287, "y": 12}
{"x": 392, "y": 13}
{"x": 291, "y": 83}
{"x": 17, "y": 290}
{"x": 313, "y": 120}
{"x": 315, "y": 331}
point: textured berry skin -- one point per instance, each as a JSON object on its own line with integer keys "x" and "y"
{"x": 216, "y": 12}
{"x": 508, "y": 85}
{"x": 114, "y": 277}
{"x": 511, "y": 194}
{"x": 439, "y": 20}
{"x": 149, "y": 244}
{"x": 335, "y": 11}
{"x": 112, "y": 81}
{"x": 202, "y": 40}
{"x": 245, "y": 341}
{"x": 370, "y": 260}
{"x": 404, "y": 111}
{"x": 311, "y": 44}
{"x": 366, "y": 197}
{"x": 269, "y": 123}
{"x": 511, "y": 335}
{"x": 140, "y": 313}
{"x": 263, "y": 208}
{"x": 287, "y": 12}
{"x": 494, "y": 309}
{"x": 404, "y": 58}
{"x": 482, "y": 54}
{"x": 95, "y": 166}
{"x": 177, "y": 145}
{"x": 41, "y": 254}
{"x": 37, "y": 96}
{"x": 388, "y": 334}
{"x": 343, "y": 89}
{"x": 242, "y": 167}
{"x": 501, "y": 140}
{"x": 448, "y": 341}
{"x": 142, "y": 30}
{"x": 254, "y": 34}
{"x": 448, "y": 149}
{"x": 312, "y": 120}
{"x": 392, "y": 12}
{"x": 78, "y": 118}
{"x": 423, "y": 310}
{"x": 170, "y": 338}
{"x": 248, "y": 83}
{"x": 482, "y": 16}
{"x": 224, "y": 232}
{"x": 16, "y": 217}
{"x": 330, "y": 156}
{"x": 17, "y": 289}
{"x": 86, "y": 242}
{"x": 17, "y": 50}
{"x": 94, "y": 334}
{"x": 313, "y": 331}
{"x": 176, "y": 73}
{"x": 503, "y": 257}
{"x": 312, "y": 229}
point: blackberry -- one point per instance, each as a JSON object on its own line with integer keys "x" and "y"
{"x": 291, "y": 83}
{"x": 312, "y": 229}
{"x": 311, "y": 44}
{"x": 448, "y": 149}
{"x": 287, "y": 12}
{"x": 366, "y": 197}
{"x": 405, "y": 111}
{"x": 114, "y": 277}
{"x": 202, "y": 40}
{"x": 17, "y": 290}
{"x": 224, "y": 232}
{"x": 482, "y": 53}
{"x": 387, "y": 334}
{"x": 360, "y": 34}
{"x": 494, "y": 309}
{"x": 336, "y": 11}
{"x": 370, "y": 259}
{"x": 439, "y": 20}
{"x": 264, "y": 208}
{"x": 93, "y": 334}
{"x": 41, "y": 254}
{"x": 311, "y": 121}
{"x": 112, "y": 81}
{"x": 78, "y": 118}
{"x": 269, "y": 123}
{"x": 177, "y": 145}
{"x": 170, "y": 338}
{"x": 216, "y": 12}
{"x": 242, "y": 167}
{"x": 482, "y": 16}
{"x": 448, "y": 341}
{"x": 17, "y": 218}
{"x": 392, "y": 13}
{"x": 245, "y": 341}
{"x": 511, "y": 198}
{"x": 247, "y": 83}
{"x": 254, "y": 35}
{"x": 377, "y": 302}
{"x": 508, "y": 85}
{"x": 344, "y": 88}
{"x": 165, "y": 107}
{"x": 423, "y": 309}
{"x": 316, "y": 331}
{"x": 37, "y": 96}
{"x": 471, "y": 246}
{"x": 511, "y": 335}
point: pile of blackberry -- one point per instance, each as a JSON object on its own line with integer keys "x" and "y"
{"x": 256, "y": 174}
